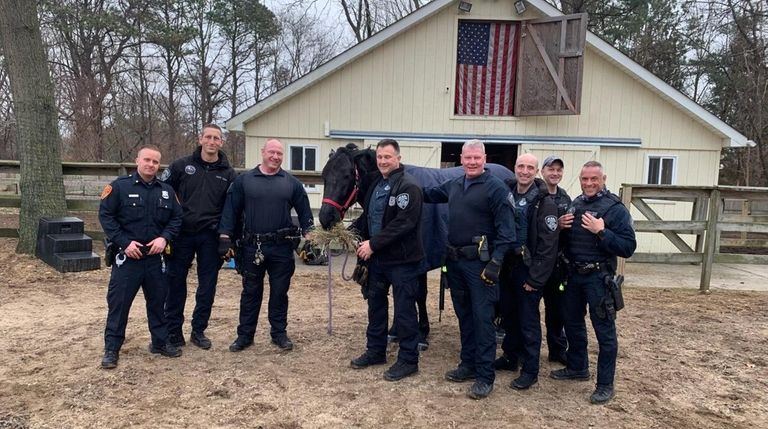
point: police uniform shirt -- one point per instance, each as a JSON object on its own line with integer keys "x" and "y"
{"x": 134, "y": 210}
{"x": 263, "y": 203}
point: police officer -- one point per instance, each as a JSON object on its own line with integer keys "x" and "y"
{"x": 139, "y": 215}
{"x": 200, "y": 181}
{"x": 599, "y": 229}
{"x": 480, "y": 230}
{"x": 557, "y": 342}
{"x": 259, "y": 204}
{"x": 530, "y": 263}
{"x": 391, "y": 230}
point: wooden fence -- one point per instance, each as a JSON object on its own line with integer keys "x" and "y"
{"x": 709, "y": 219}
{"x": 74, "y": 171}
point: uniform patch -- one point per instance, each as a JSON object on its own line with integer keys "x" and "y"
{"x": 107, "y": 190}
{"x": 165, "y": 195}
{"x": 190, "y": 169}
{"x": 551, "y": 222}
{"x": 165, "y": 175}
{"x": 392, "y": 201}
{"x": 511, "y": 199}
{"x": 403, "y": 200}
{"x": 523, "y": 202}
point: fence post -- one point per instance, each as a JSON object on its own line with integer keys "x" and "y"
{"x": 710, "y": 241}
{"x": 626, "y": 198}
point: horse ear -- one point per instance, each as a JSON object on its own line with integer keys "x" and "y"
{"x": 351, "y": 146}
{"x": 333, "y": 152}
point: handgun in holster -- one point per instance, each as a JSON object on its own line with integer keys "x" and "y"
{"x": 110, "y": 251}
{"x": 482, "y": 248}
{"x": 614, "y": 288}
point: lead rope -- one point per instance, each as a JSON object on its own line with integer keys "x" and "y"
{"x": 330, "y": 282}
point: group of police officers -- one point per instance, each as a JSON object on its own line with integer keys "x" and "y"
{"x": 510, "y": 244}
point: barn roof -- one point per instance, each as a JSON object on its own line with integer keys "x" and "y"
{"x": 731, "y": 137}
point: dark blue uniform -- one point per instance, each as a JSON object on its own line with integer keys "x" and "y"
{"x": 260, "y": 206}
{"x": 586, "y": 286}
{"x": 202, "y": 189}
{"x": 391, "y": 220}
{"x": 476, "y": 207}
{"x": 133, "y": 210}
{"x": 530, "y": 262}
{"x": 554, "y": 318}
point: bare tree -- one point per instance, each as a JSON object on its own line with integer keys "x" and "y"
{"x": 42, "y": 185}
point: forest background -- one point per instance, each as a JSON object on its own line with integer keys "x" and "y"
{"x": 133, "y": 72}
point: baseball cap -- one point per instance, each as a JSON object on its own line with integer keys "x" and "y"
{"x": 548, "y": 161}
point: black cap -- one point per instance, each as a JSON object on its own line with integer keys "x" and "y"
{"x": 548, "y": 161}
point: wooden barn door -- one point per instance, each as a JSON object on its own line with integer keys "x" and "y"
{"x": 551, "y": 66}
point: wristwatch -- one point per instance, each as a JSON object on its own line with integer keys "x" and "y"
{"x": 601, "y": 233}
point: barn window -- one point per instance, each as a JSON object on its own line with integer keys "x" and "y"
{"x": 661, "y": 170}
{"x": 304, "y": 158}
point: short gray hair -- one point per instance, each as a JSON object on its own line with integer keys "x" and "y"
{"x": 473, "y": 143}
{"x": 590, "y": 164}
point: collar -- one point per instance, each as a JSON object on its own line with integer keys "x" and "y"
{"x": 257, "y": 172}
{"x": 603, "y": 192}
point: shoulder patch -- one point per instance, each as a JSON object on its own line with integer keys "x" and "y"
{"x": 190, "y": 169}
{"x": 403, "y": 200}
{"x": 107, "y": 190}
{"x": 166, "y": 174}
{"x": 511, "y": 199}
{"x": 551, "y": 222}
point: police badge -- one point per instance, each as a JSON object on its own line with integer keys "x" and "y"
{"x": 166, "y": 195}
{"x": 403, "y": 200}
{"x": 551, "y": 222}
{"x": 190, "y": 169}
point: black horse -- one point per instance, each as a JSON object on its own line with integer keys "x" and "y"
{"x": 346, "y": 178}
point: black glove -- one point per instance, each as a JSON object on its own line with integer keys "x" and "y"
{"x": 224, "y": 245}
{"x": 490, "y": 274}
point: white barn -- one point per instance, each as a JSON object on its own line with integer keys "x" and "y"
{"x": 402, "y": 83}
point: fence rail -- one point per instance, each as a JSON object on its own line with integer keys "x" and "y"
{"x": 715, "y": 210}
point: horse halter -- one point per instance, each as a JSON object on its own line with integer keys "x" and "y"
{"x": 342, "y": 208}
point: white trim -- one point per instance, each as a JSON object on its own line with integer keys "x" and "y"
{"x": 661, "y": 158}
{"x": 730, "y": 137}
{"x": 488, "y": 139}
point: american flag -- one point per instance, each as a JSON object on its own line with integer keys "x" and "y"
{"x": 485, "y": 71}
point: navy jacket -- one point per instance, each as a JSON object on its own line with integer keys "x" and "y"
{"x": 484, "y": 208}
{"x": 132, "y": 210}
{"x": 201, "y": 187}
{"x": 399, "y": 240}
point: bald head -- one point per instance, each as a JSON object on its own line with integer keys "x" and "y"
{"x": 272, "y": 156}
{"x": 526, "y": 169}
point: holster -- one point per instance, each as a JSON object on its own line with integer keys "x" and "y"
{"x": 614, "y": 288}
{"x": 110, "y": 251}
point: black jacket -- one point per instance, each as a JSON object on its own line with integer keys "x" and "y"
{"x": 201, "y": 187}
{"x": 399, "y": 240}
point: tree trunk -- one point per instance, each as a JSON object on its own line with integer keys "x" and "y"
{"x": 41, "y": 182}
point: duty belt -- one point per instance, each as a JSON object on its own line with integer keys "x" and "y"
{"x": 465, "y": 252}
{"x": 284, "y": 234}
{"x": 590, "y": 267}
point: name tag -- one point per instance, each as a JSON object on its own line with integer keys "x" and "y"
{"x": 133, "y": 195}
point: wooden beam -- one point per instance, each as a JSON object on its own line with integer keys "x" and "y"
{"x": 735, "y": 258}
{"x": 667, "y": 258}
{"x": 678, "y": 226}
{"x": 710, "y": 242}
{"x": 742, "y": 227}
{"x": 648, "y": 212}
{"x": 626, "y": 199}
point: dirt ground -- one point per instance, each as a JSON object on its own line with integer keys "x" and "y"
{"x": 685, "y": 360}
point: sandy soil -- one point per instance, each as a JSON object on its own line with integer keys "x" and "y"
{"x": 685, "y": 360}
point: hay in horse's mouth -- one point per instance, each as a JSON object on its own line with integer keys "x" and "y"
{"x": 347, "y": 239}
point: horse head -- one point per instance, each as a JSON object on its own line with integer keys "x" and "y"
{"x": 342, "y": 174}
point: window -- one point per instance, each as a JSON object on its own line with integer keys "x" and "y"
{"x": 304, "y": 158}
{"x": 661, "y": 170}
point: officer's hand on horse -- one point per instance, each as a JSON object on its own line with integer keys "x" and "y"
{"x": 133, "y": 250}
{"x": 157, "y": 245}
{"x": 225, "y": 247}
{"x": 528, "y": 288}
{"x": 490, "y": 274}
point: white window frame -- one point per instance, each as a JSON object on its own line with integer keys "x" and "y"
{"x": 661, "y": 158}
{"x": 304, "y": 147}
